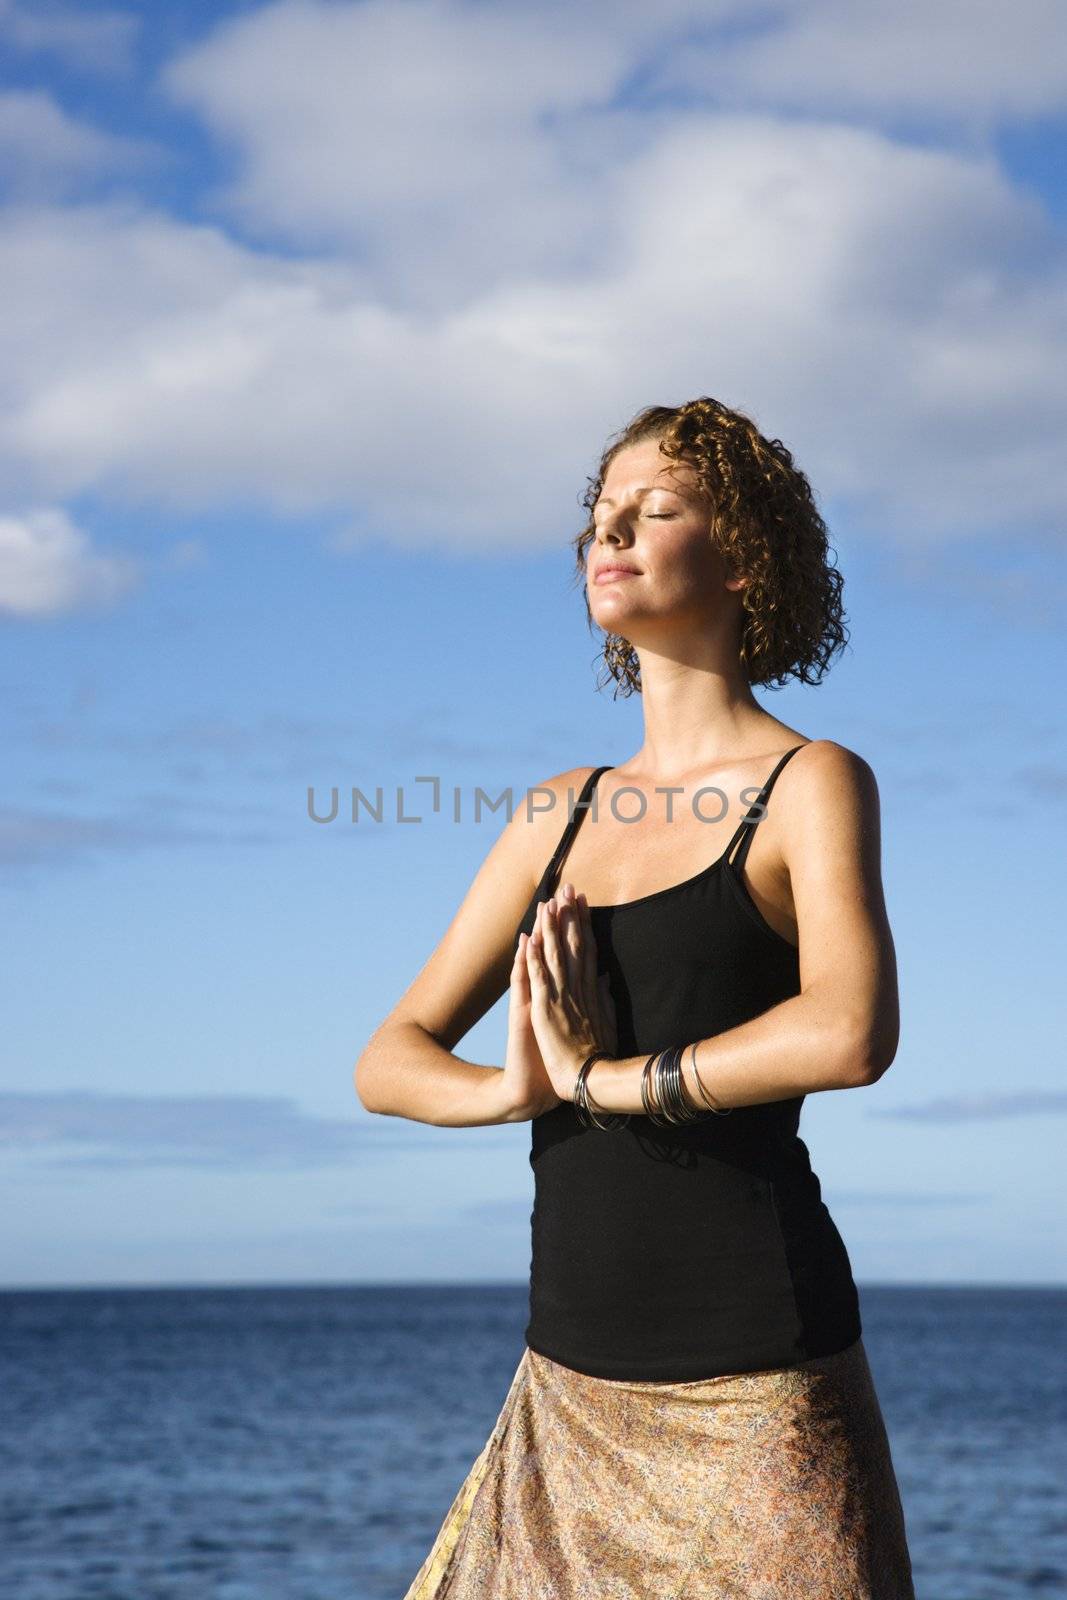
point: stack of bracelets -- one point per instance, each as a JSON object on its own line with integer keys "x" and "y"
{"x": 663, "y": 1096}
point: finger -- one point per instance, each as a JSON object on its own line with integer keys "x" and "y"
{"x": 573, "y": 942}
{"x": 590, "y": 986}
{"x": 543, "y": 927}
{"x": 535, "y": 966}
{"x": 554, "y": 960}
{"x": 520, "y": 974}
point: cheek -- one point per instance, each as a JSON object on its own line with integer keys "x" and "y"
{"x": 689, "y": 562}
{"x": 691, "y": 581}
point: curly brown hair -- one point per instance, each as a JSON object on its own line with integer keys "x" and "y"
{"x": 764, "y": 521}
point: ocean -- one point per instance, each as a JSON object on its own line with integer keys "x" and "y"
{"x": 304, "y": 1443}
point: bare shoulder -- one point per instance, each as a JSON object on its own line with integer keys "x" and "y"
{"x": 830, "y": 761}
{"x": 828, "y": 793}
{"x": 541, "y": 813}
{"x": 564, "y": 787}
{"x": 824, "y": 767}
{"x": 573, "y": 780}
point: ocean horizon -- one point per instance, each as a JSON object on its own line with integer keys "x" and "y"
{"x": 273, "y": 1441}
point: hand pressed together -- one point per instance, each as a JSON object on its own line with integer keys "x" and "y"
{"x": 570, "y": 1009}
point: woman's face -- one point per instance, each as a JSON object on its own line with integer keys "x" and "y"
{"x": 651, "y": 517}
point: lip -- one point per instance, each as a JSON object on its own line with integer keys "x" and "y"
{"x": 607, "y": 573}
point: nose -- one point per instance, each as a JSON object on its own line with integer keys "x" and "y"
{"x": 611, "y": 531}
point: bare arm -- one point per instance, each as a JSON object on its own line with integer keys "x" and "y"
{"x": 842, "y": 1029}
{"x": 407, "y": 1068}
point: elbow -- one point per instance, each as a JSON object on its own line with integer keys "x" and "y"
{"x": 870, "y": 1049}
{"x": 363, "y": 1076}
{"x": 374, "y": 1074}
{"x": 359, "y": 1078}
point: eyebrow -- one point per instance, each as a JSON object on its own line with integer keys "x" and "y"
{"x": 645, "y": 488}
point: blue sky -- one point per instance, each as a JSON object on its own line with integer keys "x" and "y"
{"x": 315, "y": 319}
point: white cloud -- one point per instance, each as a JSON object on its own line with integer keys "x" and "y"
{"x": 45, "y": 152}
{"x": 352, "y": 121}
{"x": 488, "y": 131}
{"x": 895, "y": 313}
{"x": 968, "y": 62}
{"x": 48, "y": 566}
{"x": 98, "y": 41}
{"x": 519, "y": 258}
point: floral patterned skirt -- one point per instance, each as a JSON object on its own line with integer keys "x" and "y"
{"x": 775, "y": 1485}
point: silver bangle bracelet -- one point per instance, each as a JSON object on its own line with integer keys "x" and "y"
{"x": 583, "y": 1103}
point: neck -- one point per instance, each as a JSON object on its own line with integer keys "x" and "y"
{"x": 697, "y": 715}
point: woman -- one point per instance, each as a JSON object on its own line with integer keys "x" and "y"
{"x": 693, "y": 1413}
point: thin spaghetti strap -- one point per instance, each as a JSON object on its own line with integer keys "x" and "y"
{"x": 746, "y": 827}
{"x": 581, "y": 806}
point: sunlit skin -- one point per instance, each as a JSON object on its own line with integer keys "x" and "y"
{"x": 681, "y": 611}
{"x": 813, "y": 871}
{"x": 682, "y": 608}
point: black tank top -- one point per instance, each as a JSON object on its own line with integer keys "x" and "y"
{"x": 702, "y": 1249}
